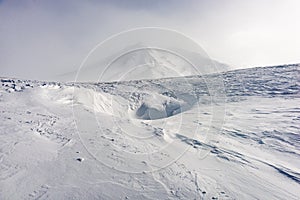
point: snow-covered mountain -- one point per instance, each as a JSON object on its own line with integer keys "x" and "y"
{"x": 139, "y": 62}
{"x": 233, "y": 135}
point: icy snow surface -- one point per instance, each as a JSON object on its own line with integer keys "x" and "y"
{"x": 152, "y": 139}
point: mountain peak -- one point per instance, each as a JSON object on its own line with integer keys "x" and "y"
{"x": 141, "y": 61}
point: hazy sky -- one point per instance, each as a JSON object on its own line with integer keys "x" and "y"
{"x": 41, "y": 39}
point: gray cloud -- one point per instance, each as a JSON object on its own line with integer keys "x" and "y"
{"x": 42, "y": 39}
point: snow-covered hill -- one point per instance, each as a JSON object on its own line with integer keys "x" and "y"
{"x": 139, "y": 62}
{"x": 190, "y": 137}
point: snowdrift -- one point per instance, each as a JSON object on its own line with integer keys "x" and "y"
{"x": 150, "y": 138}
{"x": 158, "y": 106}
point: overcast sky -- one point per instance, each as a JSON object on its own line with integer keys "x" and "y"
{"x": 40, "y": 39}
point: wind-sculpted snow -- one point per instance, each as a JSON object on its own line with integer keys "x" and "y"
{"x": 172, "y": 138}
{"x": 269, "y": 82}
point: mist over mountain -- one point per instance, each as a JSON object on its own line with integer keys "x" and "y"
{"x": 140, "y": 61}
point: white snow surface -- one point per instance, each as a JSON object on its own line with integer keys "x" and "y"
{"x": 152, "y": 139}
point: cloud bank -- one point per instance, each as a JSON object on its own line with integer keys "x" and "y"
{"x": 43, "y": 39}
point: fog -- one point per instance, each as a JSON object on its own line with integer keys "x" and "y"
{"x": 44, "y": 39}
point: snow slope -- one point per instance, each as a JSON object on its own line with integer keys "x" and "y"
{"x": 173, "y": 138}
{"x": 140, "y": 61}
